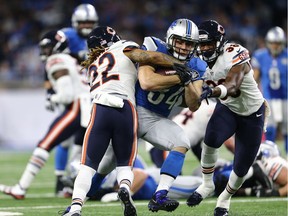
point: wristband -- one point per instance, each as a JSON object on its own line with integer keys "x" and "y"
{"x": 223, "y": 91}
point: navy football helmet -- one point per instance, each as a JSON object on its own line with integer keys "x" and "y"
{"x": 53, "y": 42}
{"x": 211, "y": 32}
{"x": 102, "y": 36}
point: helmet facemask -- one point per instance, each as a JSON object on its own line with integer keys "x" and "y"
{"x": 177, "y": 48}
{"x": 84, "y": 19}
{"x": 181, "y": 38}
{"x": 275, "y": 40}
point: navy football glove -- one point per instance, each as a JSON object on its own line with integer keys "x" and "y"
{"x": 183, "y": 72}
{"x": 206, "y": 93}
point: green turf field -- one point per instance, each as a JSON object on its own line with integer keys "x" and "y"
{"x": 40, "y": 200}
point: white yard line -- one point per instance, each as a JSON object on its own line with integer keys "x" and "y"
{"x": 138, "y": 203}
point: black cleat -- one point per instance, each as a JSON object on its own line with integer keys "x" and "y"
{"x": 127, "y": 203}
{"x": 220, "y": 211}
{"x": 160, "y": 201}
{"x": 194, "y": 199}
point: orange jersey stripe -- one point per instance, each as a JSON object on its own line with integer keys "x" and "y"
{"x": 59, "y": 127}
{"x": 135, "y": 147}
{"x": 87, "y": 133}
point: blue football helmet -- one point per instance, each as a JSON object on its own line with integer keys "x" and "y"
{"x": 268, "y": 149}
{"x": 211, "y": 32}
{"x": 102, "y": 36}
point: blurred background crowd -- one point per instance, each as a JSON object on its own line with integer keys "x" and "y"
{"x": 22, "y": 23}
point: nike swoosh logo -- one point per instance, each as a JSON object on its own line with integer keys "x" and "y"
{"x": 258, "y": 115}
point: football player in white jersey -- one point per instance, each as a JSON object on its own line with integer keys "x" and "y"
{"x": 240, "y": 110}
{"x": 112, "y": 76}
{"x": 70, "y": 92}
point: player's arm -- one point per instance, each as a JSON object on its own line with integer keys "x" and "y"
{"x": 192, "y": 94}
{"x": 64, "y": 86}
{"x": 256, "y": 74}
{"x": 149, "y": 80}
{"x": 281, "y": 180}
{"x": 233, "y": 80}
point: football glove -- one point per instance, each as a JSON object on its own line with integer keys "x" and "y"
{"x": 206, "y": 93}
{"x": 183, "y": 72}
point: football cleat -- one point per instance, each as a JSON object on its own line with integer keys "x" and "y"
{"x": 15, "y": 191}
{"x": 127, "y": 202}
{"x": 67, "y": 213}
{"x": 218, "y": 211}
{"x": 160, "y": 201}
{"x": 194, "y": 199}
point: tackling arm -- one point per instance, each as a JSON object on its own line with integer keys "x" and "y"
{"x": 192, "y": 94}
{"x": 232, "y": 83}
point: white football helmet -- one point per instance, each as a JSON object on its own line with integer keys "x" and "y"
{"x": 183, "y": 29}
{"x": 84, "y": 13}
{"x": 275, "y": 35}
{"x": 268, "y": 149}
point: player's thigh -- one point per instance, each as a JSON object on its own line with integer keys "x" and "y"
{"x": 166, "y": 134}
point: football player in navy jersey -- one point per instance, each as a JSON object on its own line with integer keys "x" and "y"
{"x": 157, "y": 92}
{"x": 270, "y": 70}
{"x": 240, "y": 110}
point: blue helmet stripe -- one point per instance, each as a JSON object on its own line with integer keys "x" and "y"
{"x": 188, "y": 30}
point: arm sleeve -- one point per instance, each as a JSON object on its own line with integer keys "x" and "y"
{"x": 65, "y": 92}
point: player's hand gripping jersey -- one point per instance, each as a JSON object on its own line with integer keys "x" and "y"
{"x": 250, "y": 98}
{"x": 162, "y": 102}
{"x": 114, "y": 68}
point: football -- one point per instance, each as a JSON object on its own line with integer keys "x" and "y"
{"x": 165, "y": 71}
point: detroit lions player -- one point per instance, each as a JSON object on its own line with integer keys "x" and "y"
{"x": 71, "y": 93}
{"x": 240, "y": 110}
{"x": 270, "y": 70}
{"x": 156, "y": 94}
{"x": 112, "y": 76}
{"x": 83, "y": 19}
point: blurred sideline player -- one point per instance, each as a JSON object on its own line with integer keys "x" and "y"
{"x": 84, "y": 19}
{"x": 112, "y": 78}
{"x": 156, "y": 94}
{"x": 70, "y": 92}
{"x": 270, "y": 70}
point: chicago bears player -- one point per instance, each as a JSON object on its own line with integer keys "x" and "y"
{"x": 240, "y": 110}
{"x": 156, "y": 94}
{"x": 83, "y": 19}
{"x": 270, "y": 70}
{"x": 71, "y": 93}
{"x": 112, "y": 76}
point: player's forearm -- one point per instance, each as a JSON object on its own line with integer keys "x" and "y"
{"x": 192, "y": 95}
{"x": 283, "y": 191}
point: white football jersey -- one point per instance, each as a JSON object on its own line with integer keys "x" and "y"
{"x": 274, "y": 165}
{"x": 62, "y": 61}
{"x": 250, "y": 98}
{"x": 114, "y": 73}
{"x": 194, "y": 123}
